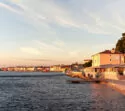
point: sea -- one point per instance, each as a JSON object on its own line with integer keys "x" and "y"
{"x": 38, "y": 91}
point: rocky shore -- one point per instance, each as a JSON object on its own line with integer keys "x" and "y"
{"x": 118, "y": 85}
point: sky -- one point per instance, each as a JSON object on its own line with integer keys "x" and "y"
{"x": 48, "y": 32}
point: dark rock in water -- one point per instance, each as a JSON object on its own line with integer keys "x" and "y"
{"x": 75, "y": 81}
{"x": 97, "y": 81}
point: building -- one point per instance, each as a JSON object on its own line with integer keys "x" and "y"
{"x": 10, "y": 69}
{"x": 60, "y": 68}
{"x": 30, "y": 69}
{"x": 46, "y": 69}
{"x": 19, "y": 69}
{"x": 65, "y": 67}
{"x": 76, "y": 67}
{"x": 110, "y": 71}
{"x": 108, "y": 57}
{"x": 55, "y": 68}
{"x": 39, "y": 68}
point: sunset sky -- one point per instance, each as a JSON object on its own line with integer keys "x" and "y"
{"x": 46, "y": 32}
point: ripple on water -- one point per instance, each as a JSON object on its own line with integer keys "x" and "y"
{"x": 55, "y": 94}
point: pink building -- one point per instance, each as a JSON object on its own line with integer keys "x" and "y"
{"x": 108, "y": 57}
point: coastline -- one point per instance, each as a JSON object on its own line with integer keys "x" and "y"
{"x": 118, "y": 87}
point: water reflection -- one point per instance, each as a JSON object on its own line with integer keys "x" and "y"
{"x": 53, "y": 93}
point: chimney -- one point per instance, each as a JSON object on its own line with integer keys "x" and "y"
{"x": 113, "y": 50}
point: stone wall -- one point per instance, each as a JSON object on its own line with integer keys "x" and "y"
{"x": 111, "y": 75}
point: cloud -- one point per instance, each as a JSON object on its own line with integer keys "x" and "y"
{"x": 10, "y": 8}
{"x": 109, "y": 20}
{"x": 58, "y": 15}
{"x": 48, "y": 47}
{"x": 95, "y": 29}
{"x": 67, "y": 22}
{"x": 38, "y": 11}
{"x": 30, "y": 13}
{"x": 38, "y": 14}
{"x": 104, "y": 46}
{"x": 31, "y": 59}
{"x": 30, "y": 50}
{"x": 74, "y": 54}
{"x": 23, "y": 10}
{"x": 59, "y": 43}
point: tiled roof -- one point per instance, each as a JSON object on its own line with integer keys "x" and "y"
{"x": 109, "y": 52}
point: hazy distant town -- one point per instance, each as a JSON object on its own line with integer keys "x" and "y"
{"x": 99, "y": 62}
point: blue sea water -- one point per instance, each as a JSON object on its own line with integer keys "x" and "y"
{"x": 37, "y": 91}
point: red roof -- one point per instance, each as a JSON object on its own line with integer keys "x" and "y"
{"x": 109, "y": 52}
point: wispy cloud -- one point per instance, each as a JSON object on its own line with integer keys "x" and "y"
{"x": 58, "y": 15}
{"x": 66, "y": 22}
{"x": 59, "y": 43}
{"x": 74, "y": 54}
{"x": 39, "y": 14}
{"x": 23, "y": 10}
{"x": 31, "y": 59}
{"x": 62, "y": 29}
{"x": 30, "y": 50}
{"x": 48, "y": 47}
{"x": 37, "y": 11}
{"x": 10, "y": 8}
{"x": 100, "y": 23}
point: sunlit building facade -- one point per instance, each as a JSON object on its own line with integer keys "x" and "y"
{"x": 108, "y": 57}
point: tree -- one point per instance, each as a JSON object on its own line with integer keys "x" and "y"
{"x": 120, "y": 45}
{"x": 88, "y": 64}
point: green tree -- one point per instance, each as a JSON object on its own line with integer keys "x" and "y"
{"x": 120, "y": 45}
{"x": 88, "y": 64}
